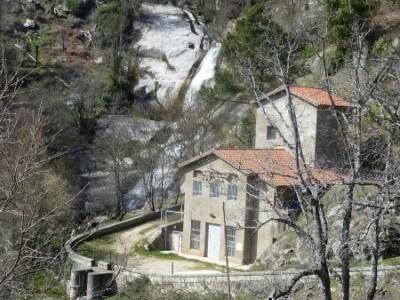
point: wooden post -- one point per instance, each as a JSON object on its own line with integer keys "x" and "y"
{"x": 226, "y": 254}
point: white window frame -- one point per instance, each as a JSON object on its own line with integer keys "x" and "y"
{"x": 230, "y": 240}
{"x": 195, "y": 235}
{"x": 199, "y": 190}
{"x": 230, "y": 195}
{"x": 214, "y": 194}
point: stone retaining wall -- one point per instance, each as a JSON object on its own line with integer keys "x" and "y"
{"x": 255, "y": 282}
{"x": 92, "y": 278}
{"x": 262, "y": 283}
{"x": 80, "y": 261}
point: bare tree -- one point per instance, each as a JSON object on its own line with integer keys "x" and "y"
{"x": 29, "y": 209}
{"x": 365, "y": 88}
{"x": 114, "y": 151}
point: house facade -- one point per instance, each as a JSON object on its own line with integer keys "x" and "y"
{"x": 318, "y": 125}
{"x": 229, "y": 192}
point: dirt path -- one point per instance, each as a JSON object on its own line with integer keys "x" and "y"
{"x": 126, "y": 240}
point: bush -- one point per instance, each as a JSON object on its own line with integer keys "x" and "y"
{"x": 344, "y": 15}
{"x": 75, "y": 6}
{"x": 79, "y": 8}
{"x": 115, "y": 18}
{"x": 247, "y": 128}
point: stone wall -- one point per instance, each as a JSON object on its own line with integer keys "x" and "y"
{"x": 81, "y": 261}
{"x": 88, "y": 276}
{"x": 257, "y": 283}
{"x": 92, "y": 278}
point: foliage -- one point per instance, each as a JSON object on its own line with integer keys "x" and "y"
{"x": 309, "y": 51}
{"x": 108, "y": 17}
{"x": 75, "y": 6}
{"x": 80, "y": 8}
{"x": 258, "y": 41}
{"x": 99, "y": 249}
{"x": 45, "y": 285}
{"x": 225, "y": 89}
{"x": 248, "y": 128}
{"x": 381, "y": 46}
{"x": 346, "y": 16}
{"x": 140, "y": 249}
{"x": 142, "y": 288}
{"x": 115, "y": 19}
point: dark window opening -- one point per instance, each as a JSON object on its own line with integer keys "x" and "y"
{"x": 271, "y": 132}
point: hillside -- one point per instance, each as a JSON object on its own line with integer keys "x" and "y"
{"x": 101, "y": 100}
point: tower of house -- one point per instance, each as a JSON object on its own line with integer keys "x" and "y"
{"x": 318, "y": 126}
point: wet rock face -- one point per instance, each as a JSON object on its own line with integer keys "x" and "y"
{"x": 175, "y": 58}
{"x": 171, "y": 45}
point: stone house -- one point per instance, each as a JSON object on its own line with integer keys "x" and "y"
{"x": 318, "y": 126}
{"x": 251, "y": 180}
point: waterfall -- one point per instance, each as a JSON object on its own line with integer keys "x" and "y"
{"x": 204, "y": 75}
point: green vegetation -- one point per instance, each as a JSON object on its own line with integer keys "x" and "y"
{"x": 225, "y": 89}
{"x": 45, "y": 285}
{"x": 346, "y": 17}
{"x": 100, "y": 248}
{"x": 75, "y": 6}
{"x": 140, "y": 250}
{"x": 381, "y": 46}
{"x": 248, "y": 128}
{"x": 255, "y": 32}
{"x": 142, "y": 288}
{"x": 115, "y": 18}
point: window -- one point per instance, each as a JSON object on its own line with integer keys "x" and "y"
{"x": 197, "y": 187}
{"x": 214, "y": 189}
{"x": 195, "y": 235}
{"x": 271, "y": 132}
{"x": 232, "y": 191}
{"x": 230, "y": 240}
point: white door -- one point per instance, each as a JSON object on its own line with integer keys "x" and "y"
{"x": 214, "y": 237}
{"x": 176, "y": 241}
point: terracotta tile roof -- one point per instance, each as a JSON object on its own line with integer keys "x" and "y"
{"x": 276, "y": 166}
{"x": 314, "y": 96}
{"x": 318, "y": 97}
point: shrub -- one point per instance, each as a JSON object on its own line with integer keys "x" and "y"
{"x": 344, "y": 15}
{"x": 115, "y": 18}
{"x": 75, "y": 6}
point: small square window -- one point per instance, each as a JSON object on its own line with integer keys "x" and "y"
{"x": 271, "y": 132}
{"x": 214, "y": 189}
{"x": 232, "y": 191}
{"x": 197, "y": 187}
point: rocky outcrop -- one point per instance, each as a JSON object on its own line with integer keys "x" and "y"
{"x": 171, "y": 46}
{"x": 176, "y": 58}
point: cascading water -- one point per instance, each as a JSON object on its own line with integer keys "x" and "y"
{"x": 171, "y": 43}
{"x": 204, "y": 76}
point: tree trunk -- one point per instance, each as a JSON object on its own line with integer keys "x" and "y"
{"x": 345, "y": 250}
{"x": 325, "y": 281}
{"x": 324, "y": 271}
{"x": 374, "y": 259}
